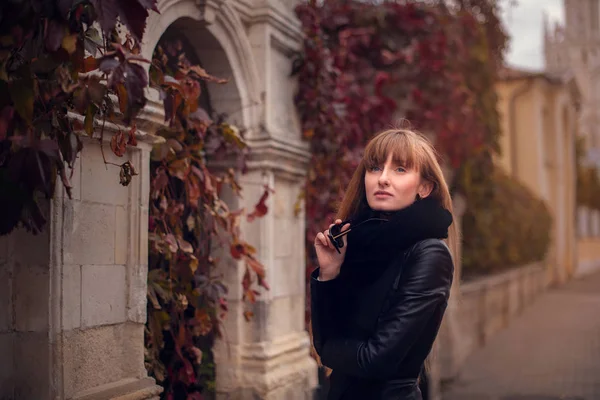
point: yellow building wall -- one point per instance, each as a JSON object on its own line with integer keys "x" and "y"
{"x": 537, "y": 149}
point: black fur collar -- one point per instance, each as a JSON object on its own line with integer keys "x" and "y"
{"x": 375, "y": 244}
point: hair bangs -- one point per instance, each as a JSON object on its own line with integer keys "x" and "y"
{"x": 405, "y": 151}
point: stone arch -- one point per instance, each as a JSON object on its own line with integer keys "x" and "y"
{"x": 220, "y": 42}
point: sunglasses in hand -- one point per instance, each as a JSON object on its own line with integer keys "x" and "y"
{"x": 336, "y": 234}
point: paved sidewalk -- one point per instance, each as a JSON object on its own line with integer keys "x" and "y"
{"x": 550, "y": 352}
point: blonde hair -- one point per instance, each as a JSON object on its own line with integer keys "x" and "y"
{"x": 413, "y": 151}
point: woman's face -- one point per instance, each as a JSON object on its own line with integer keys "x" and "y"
{"x": 392, "y": 187}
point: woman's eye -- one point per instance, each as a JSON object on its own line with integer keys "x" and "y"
{"x": 401, "y": 169}
{"x": 374, "y": 169}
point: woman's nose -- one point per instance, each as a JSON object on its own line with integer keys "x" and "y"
{"x": 383, "y": 178}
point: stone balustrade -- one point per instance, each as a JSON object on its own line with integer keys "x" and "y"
{"x": 487, "y": 305}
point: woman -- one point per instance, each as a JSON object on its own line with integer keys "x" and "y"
{"x": 378, "y": 299}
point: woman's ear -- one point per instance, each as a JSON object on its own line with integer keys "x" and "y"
{"x": 425, "y": 189}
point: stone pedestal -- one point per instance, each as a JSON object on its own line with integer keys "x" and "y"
{"x": 73, "y": 299}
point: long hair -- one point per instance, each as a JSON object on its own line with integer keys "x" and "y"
{"x": 413, "y": 151}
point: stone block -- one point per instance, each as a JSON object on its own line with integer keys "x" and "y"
{"x": 32, "y": 366}
{"x": 275, "y": 318}
{"x": 6, "y": 366}
{"x": 89, "y": 233}
{"x": 287, "y": 277}
{"x": 122, "y": 237}
{"x": 29, "y": 249}
{"x": 136, "y": 302}
{"x": 71, "y": 296}
{"x": 100, "y": 181}
{"x": 102, "y": 355}
{"x": 103, "y": 294}
{"x": 32, "y": 291}
{"x": 493, "y": 318}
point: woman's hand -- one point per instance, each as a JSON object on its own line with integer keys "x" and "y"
{"x": 330, "y": 260}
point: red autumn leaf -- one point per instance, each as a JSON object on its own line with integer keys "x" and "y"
{"x": 261, "y": 208}
{"x": 89, "y": 64}
{"x": 237, "y": 250}
{"x": 118, "y": 144}
{"x": 132, "y": 140}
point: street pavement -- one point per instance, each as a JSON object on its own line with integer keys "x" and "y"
{"x": 550, "y": 352}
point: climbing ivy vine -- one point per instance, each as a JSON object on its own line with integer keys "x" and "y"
{"x": 68, "y": 69}
{"x": 366, "y": 65}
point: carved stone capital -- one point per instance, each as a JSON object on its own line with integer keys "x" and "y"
{"x": 287, "y": 159}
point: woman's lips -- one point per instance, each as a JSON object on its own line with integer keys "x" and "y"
{"x": 383, "y": 194}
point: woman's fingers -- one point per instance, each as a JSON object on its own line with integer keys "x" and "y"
{"x": 345, "y": 238}
{"x": 321, "y": 238}
{"x": 329, "y": 244}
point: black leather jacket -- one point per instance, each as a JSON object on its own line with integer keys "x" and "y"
{"x": 376, "y": 337}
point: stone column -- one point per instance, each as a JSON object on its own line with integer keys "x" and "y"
{"x": 73, "y": 298}
{"x": 268, "y": 357}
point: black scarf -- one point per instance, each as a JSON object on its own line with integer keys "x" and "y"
{"x": 375, "y": 244}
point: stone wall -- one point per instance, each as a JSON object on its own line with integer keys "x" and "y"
{"x": 485, "y": 306}
{"x": 73, "y": 302}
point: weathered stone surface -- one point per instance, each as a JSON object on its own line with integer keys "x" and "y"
{"x": 6, "y": 365}
{"x": 125, "y": 389}
{"x": 31, "y": 364}
{"x": 103, "y": 294}
{"x": 122, "y": 235}
{"x": 32, "y": 290}
{"x": 71, "y": 296}
{"x": 97, "y": 177}
{"x": 136, "y": 302}
{"x": 102, "y": 355}
{"x": 89, "y": 233}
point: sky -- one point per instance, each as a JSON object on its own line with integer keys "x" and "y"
{"x": 524, "y": 22}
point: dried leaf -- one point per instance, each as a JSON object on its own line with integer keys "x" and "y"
{"x": 118, "y": 144}
{"x": 127, "y": 173}
{"x": 185, "y": 246}
{"x": 69, "y": 43}
{"x": 199, "y": 72}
